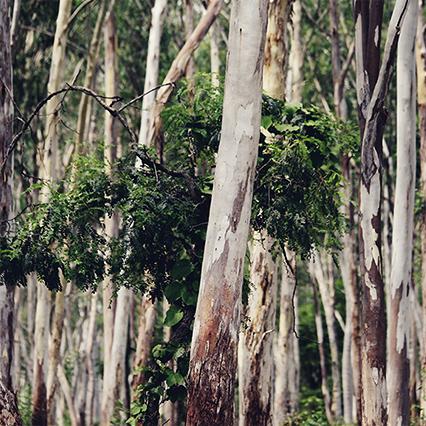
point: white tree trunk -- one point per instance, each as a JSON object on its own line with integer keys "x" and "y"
{"x": 402, "y": 236}
{"x": 217, "y": 319}
{"x": 152, "y": 67}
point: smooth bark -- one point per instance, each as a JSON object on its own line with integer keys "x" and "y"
{"x": 214, "y": 343}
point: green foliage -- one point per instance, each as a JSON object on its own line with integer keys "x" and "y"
{"x": 163, "y": 214}
{"x": 311, "y": 413}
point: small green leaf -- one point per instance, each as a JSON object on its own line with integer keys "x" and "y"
{"x": 173, "y": 316}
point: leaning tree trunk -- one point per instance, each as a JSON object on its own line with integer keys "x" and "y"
{"x": 402, "y": 236}
{"x": 177, "y": 70}
{"x": 372, "y": 88}
{"x": 8, "y": 405}
{"x": 48, "y": 170}
{"x": 255, "y": 360}
{"x": 217, "y": 319}
{"x": 421, "y": 96}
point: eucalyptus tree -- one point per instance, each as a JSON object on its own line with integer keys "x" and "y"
{"x": 215, "y": 337}
{"x": 372, "y": 87}
{"x": 8, "y": 403}
{"x": 421, "y": 99}
{"x": 402, "y": 236}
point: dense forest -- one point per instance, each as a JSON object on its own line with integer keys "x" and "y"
{"x": 212, "y": 212}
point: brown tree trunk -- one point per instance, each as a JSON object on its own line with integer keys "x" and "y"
{"x": 217, "y": 319}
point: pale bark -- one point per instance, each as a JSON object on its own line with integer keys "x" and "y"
{"x": 84, "y": 114}
{"x": 48, "y": 170}
{"x": 8, "y": 404}
{"x": 372, "y": 88}
{"x": 115, "y": 374}
{"x": 215, "y": 336}
{"x": 402, "y": 235}
{"x": 152, "y": 67}
{"x": 297, "y": 56}
{"x": 147, "y": 316}
{"x": 66, "y": 390}
{"x": 323, "y": 367}
{"x": 54, "y": 353}
{"x": 286, "y": 349}
{"x": 321, "y": 269}
{"x": 215, "y": 52}
{"x": 255, "y": 360}
{"x": 177, "y": 70}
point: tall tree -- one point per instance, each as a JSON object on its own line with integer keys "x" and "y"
{"x": 421, "y": 99}
{"x": 400, "y": 318}
{"x": 372, "y": 88}
{"x": 8, "y": 404}
{"x": 49, "y": 165}
{"x": 255, "y": 352}
{"x": 217, "y": 319}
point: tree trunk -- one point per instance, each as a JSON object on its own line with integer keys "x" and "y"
{"x": 323, "y": 366}
{"x": 286, "y": 361}
{"x": 177, "y": 70}
{"x": 421, "y": 96}
{"x": 8, "y": 405}
{"x": 321, "y": 269}
{"x": 372, "y": 88}
{"x": 402, "y": 236}
{"x": 215, "y": 337}
{"x": 255, "y": 361}
{"x": 48, "y": 170}
{"x": 256, "y": 340}
{"x": 83, "y": 120}
{"x": 152, "y": 67}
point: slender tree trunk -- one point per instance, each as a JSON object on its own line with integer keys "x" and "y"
{"x": 323, "y": 366}
{"x": 83, "y": 119}
{"x": 285, "y": 357}
{"x": 402, "y": 236}
{"x": 48, "y": 170}
{"x": 372, "y": 87}
{"x": 421, "y": 97}
{"x": 297, "y": 55}
{"x": 152, "y": 67}
{"x": 177, "y": 70}
{"x": 255, "y": 360}
{"x": 215, "y": 337}
{"x": 8, "y": 405}
{"x": 215, "y": 52}
{"x": 322, "y": 271}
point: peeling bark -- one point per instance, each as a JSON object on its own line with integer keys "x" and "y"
{"x": 402, "y": 235}
{"x": 215, "y": 336}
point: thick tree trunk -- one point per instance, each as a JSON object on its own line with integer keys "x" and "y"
{"x": 256, "y": 340}
{"x": 255, "y": 361}
{"x": 152, "y": 67}
{"x": 372, "y": 87}
{"x": 48, "y": 170}
{"x": 402, "y": 236}
{"x": 217, "y": 320}
{"x": 421, "y": 96}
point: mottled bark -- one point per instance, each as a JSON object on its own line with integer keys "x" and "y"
{"x": 215, "y": 336}
{"x": 402, "y": 235}
{"x": 255, "y": 361}
{"x": 372, "y": 88}
{"x": 421, "y": 98}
